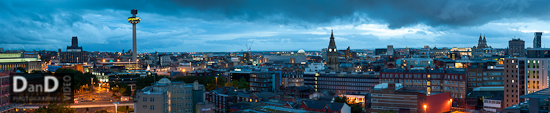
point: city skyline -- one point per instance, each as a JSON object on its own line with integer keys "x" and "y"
{"x": 227, "y": 26}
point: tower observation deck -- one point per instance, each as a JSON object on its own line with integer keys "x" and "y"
{"x": 134, "y": 20}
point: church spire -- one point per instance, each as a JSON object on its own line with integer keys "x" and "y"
{"x": 332, "y": 44}
{"x": 480, "y": 37}
{"x": 484, "y": 40}
{"x": 331, "y": 33}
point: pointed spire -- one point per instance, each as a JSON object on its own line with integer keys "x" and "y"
{"x": 332, "y": 44}
{"x": 484, "y": 40}
{"x": 331, "y": 33}
{"x": 480, "y": 37}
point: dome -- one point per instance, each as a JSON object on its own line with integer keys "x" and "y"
{"x": 164, "y": 81}
{"x": 301, "y": 51}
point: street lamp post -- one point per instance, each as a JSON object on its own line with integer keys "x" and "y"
{"x": 425, "y": 106}
{"x": 216, "y": 81}
{"x": 116, "y": 106}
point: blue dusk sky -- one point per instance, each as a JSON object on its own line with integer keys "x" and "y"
{"x": 228, "y": 25}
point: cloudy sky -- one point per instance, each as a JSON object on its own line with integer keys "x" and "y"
{"x": 228, "y": 25}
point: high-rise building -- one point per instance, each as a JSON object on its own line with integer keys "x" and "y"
{"x": 390, "y": 50}
{"x": 537, "y": 40}
{"x": 166, "y": 96}
{"x": 524, "y": 76}
{"x": 516, "y": 48}
{"x": 332, "y": 54}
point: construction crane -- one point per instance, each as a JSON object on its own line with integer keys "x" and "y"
{"x": 249, "y": 47}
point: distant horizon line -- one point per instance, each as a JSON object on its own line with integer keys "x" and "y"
{"x": 244, "y": 51}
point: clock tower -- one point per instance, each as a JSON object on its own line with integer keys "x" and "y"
{"x": 332, "y": 54}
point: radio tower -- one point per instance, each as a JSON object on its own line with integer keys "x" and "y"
{"x": 134, "y": 20}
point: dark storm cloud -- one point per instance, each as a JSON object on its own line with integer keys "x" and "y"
{"x": 396, "y": 13}
{"x": 167, "y": 24}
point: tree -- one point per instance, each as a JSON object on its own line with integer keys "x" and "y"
{"x": 122, "y": 88}
{"x": 356, "y": 108}
{"x": 342, "y": 99}
{"x": 80, "y": 78}
{"x": 241, "y": 84}
{"x": 143, "y": 82}
{"x": 209, "y": 82}
{"x": 55, "y": 108}
{"x": 21, "y": 69}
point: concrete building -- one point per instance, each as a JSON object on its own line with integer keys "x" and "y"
{"x": 484, "y": 77}
{"x": 11, "y": 61}
{"x": 285, "y": 59}
{"x": 494, "y": 104}
{"x": 461, "y": 51}
{"x": 260, "y": 80}
{"x": 514, "y": 69}
{"x": 536, "y": 102}
{"x": 524, "y": 76}
{"x": 358, "y": 83}
{"x": 292, "y": 75}
{"x": 538, "y": 53}
{"x": 5, "y": 105}
{"x": 134, "y": 20}
{"x": 516, "y": 48}
{"x": 390, "y": 50}
{"x": 431, "y": 80}
{"x": 537, "y": 40}
{"x": 166, "y": 96}
{"x": 395, "y": 97}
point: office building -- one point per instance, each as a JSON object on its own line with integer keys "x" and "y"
{"x": 332, "y": 54}
{"x": 536, "y": 102}
{"x": 280, "y": 59}
{"x": 484, "y": 77}
{"x": 260, "y": 80}
{"x": 5, "y": 105}
{"x": 537, "y": 40}
{"x": 514, "y": 71}
{"x": 431, "y": 80}
{"x": 394, "y": 97}
{"x": 390, "y": 50}
{"x": 524, "y": 76}
{"x": 516, "y": 48}
{"x": 494, "y": 105}
{"x": 538, "y": 53}
{"x": 292, "y": 75}
{"x": 166, "y": 96}
{"x": 356, "y": 83}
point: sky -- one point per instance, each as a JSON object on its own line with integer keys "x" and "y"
{"x": 269, "y": 25}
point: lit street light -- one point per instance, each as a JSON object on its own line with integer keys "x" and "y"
{"x": 116, "y": 106}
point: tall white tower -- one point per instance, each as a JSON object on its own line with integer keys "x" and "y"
{"x": 134, "y": 20}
